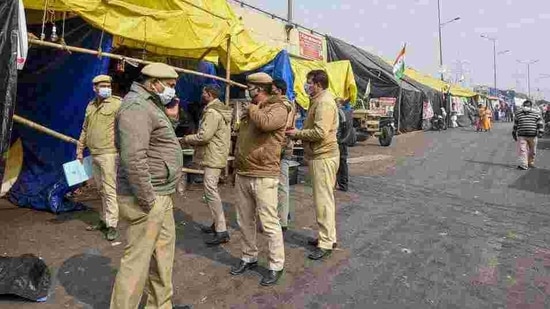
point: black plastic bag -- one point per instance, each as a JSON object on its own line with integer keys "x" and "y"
{"x": 26, "y": 276}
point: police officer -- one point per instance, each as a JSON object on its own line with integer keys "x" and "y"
{"x": 150, "y": 165}
{"x": 98, "y": 135}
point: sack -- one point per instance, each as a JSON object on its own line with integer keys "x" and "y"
{"x": 26, "y": 276}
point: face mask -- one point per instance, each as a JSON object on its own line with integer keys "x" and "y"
{"x": 167, "y": 95}
{"x": 104, "y": 92}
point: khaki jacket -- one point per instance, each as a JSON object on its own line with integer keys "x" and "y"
{"x": 151, "y": 157}
{"x": 288, "y": 145}
{"x": 320, "y": 128}
{"x": 261, "y": 136}
{"x": 98, "y": 129}
{"x": 214, "y": 136}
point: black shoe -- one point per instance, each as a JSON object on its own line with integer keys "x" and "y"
{"x": 209, "y": 229}
{"x": 284, "y": 228}
{"x": 218, "y": 239}
{"x": 342, "y": 188}
{"x": 523, "y": 168}
{"x": 315, "y": 242}
{"x": 182, "y": 307}
{"x": 242, "y": 267}
{"x": 271, "y": 278}
{"x": 319, "y": 253}
{"x": 111, "y": 234}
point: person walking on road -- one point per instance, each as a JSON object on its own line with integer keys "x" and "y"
{"x": 151, "y": 162}
{"x": 258, "y": 159}
{"x": 213, "y": 138}
{"x": 528, "y": 127}
{"x": 345, "y": 127}
{"x": 321, "y": 152}
{"x": 98, "y": 135}
{"x": 279, "y": 89}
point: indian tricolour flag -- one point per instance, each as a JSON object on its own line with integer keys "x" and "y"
{"x": 399, "y": 64}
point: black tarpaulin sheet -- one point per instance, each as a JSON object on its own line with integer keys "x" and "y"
{"x": 8, "y": 72}
{"x": 368, "y": 67}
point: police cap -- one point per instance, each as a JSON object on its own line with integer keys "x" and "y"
{"x": 159, "y": 70}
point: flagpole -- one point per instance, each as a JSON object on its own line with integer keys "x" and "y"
{"x": 399, "y": 107}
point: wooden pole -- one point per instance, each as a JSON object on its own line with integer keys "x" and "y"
{"x": 119, "y": 57}
{"x": 228, "y": 70}
{"x": 43, "y": 129}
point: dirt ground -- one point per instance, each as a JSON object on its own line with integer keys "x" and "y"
{"x": 84, "y": 264}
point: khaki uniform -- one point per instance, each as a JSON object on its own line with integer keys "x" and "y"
{"x": 287, "y": 156}
{"x": 98, "y": 135}
{"x": 213, "y": 141}
{"x": 151, "y": 161}
{"x": 321, "y": 151}
{"x": 261, "y": 136}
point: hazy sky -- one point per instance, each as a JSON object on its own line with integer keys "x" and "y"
{"x": 382, "y": 26}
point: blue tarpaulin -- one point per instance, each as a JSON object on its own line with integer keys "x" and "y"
{"x": 54, "y": 90}
{"x": 189, "y": 86}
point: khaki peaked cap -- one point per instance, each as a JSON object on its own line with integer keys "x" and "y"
{"x": 159, "y": 70}
{"x": 259, "y": 78}
{"x": 102, "y": 79}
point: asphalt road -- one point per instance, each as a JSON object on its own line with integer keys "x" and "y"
{"x": 456, "y": 227}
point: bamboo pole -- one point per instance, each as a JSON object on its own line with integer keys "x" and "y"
{"x": 119, "y": 57}
{"x": 228, "y": 70}
{"x": 43, "y": 129}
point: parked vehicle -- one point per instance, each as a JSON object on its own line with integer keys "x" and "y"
{"x": 439, "y": 123}
{"x": 371, "y": 124}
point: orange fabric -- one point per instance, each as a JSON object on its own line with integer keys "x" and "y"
{"x": 485, "y": 118}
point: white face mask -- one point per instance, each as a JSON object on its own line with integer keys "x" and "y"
{"x": 167, "y": 95}
{"x": 104, "y": 92}
{"x": 307, "y": 89}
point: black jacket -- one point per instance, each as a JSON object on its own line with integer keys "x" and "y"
{"x": 345, "y": 126}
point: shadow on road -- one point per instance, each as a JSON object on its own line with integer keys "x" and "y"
{"x": 89, "y": 278}
{"x": 511, "y": 166}
{"x": 534, "y": 180}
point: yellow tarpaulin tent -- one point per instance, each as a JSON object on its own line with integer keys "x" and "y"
{"x": 341, "y": 79}
{"x": 438, "y": 84}
{"x": 179, "y": 28}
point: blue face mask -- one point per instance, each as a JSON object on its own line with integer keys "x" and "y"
{"x": 104, "y": 92}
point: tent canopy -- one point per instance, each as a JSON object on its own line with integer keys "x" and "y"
{"x": 438, "y": 84}
{"x": 340, "y": 73}
{"x": 177, "y": 28}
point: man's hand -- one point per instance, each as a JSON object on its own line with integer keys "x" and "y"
{"x": 173, "y": 112}
{"x": 80, "y": 157}
{"x": 291, "y": 132}
{"x": 514, "y": 136}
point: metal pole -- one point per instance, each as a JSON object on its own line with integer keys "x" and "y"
{"x": 290, "y": 15}
{"x": 228, "y": 70}
{"x": 529, "y": 79}
{"x": 440, "y": 39}
{"x": 495, "y": 62}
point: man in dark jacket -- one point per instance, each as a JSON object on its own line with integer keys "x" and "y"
{"x": 344, "y": 134}
{"x": 150, "y": 166}
{"x": 528, "y": 125}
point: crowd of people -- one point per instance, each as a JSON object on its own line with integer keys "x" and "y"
{"x": 137, "y": 161}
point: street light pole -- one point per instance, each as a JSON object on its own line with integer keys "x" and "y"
{"x": 495, "y": 64}
{"x": 529, "y": 63}
{"x": 440, "y": 42}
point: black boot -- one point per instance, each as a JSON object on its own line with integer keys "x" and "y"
{"x": 243, "y": 266}
{"x": 315, "y": 242}
{"x": 209, "y": 229}
{"x": 271, "y": 278}
{"x": 319, "y": 253}
{"x": 218, "y": 239}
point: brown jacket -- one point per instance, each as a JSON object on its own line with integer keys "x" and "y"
{"x": 151, "y": 158}
{"x": 214, "y": 136}
{"x": 320, "y": 128}
{"x": 98, "y": 129}
{"x": 261, "y": 136}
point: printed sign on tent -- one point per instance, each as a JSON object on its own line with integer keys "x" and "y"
{"x": 382, "y": 106}
{"x": 310, "y": 46}
{"x": 427, "y": 111}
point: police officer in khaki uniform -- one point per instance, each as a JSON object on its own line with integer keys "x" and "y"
{"x": 213, "y": 140}
{"x": 261, "y": 136}
{"x": 98, "y": 135}
{"x": 151, "y": 161}
{"x": 321, "y": 151}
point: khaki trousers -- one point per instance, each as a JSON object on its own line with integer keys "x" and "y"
{"x": 211, "y": 179}
{"x": 148, "y": 257}
{"x": 527, "y": 150}
{"x": 323, "y": 174}
{"x": 259, "y": 196}
{"x": 284, "y": 193}
{"x": 104, "y": 170}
